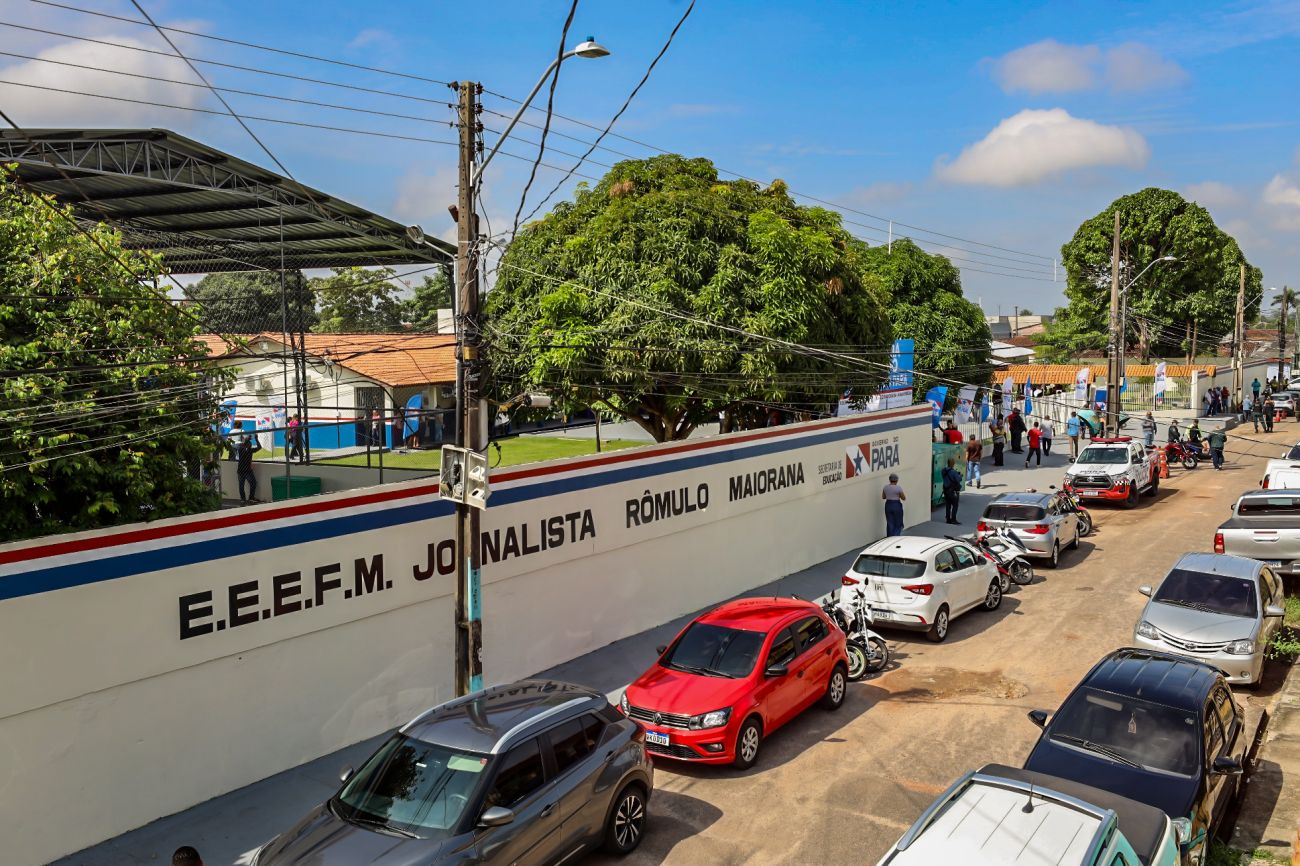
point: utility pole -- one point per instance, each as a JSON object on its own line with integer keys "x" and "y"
{"x": 1112, "y": 361}
{"x": 1281, "y": 334}
{"x": 1239, "y": 337}
{"x": 1015, "y": 323}
{"x": 469, "y": 427}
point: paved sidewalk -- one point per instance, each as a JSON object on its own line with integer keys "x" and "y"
{"x": 1270, "y": 811}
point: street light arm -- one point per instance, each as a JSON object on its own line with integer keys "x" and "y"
{"x": 523, "y": 106}
{"x": 1149, "y": 266}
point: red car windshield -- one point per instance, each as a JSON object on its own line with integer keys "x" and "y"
{"x": 714, "y": 650}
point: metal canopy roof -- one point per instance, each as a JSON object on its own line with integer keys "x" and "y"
{"x": 204, "y": 210}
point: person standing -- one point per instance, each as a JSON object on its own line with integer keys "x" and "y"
{"x": 1073, "y": 428}
{"x": 951, "y": 491}
{"x": 244, "y": 469}
{"x": 1254, "y": 387}
{"x": 295, "y": 438}
{"x": 376, "y": 429}
{"x": 1214, "y": 403}
{"x": 894, "y": 498}
{"x": 974, "y": 454}
{"x": 1270, "y": 411}
{"x": 1217, "y": 440}
{"x": 951, "y": 434}
{"x": 1194, "y": 437}
{"x": 998, "y": 430}
{"x": 1035, "y": 446}
{"x": 1149, "y": 430}
{"x": 1256, "y": 414}
{"x": 1174, "y": 434}
{"x": 1046, "y": 431}
{"x": 1016, "y": 424}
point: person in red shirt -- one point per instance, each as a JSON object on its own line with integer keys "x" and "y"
{"x": 1035, "y": 446}
{"x": 952, "y": 435}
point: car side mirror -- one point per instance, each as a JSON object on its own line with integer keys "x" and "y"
{"x": 773, "y": 671}
{"x": 1226, "y": 766}
{"x": 1145, "y": 589}
{"x": 661, "y": 649}
{"x": 1038, "y": 717}
{"x": 1274, "y": 610}
{"x": 345, "y": 774}
{"x": 496, "y": 816}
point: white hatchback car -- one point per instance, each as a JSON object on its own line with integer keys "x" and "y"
{"x": 922, "y": 583}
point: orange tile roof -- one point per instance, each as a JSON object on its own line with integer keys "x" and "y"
{"x": 1063, "y": 374}
{"x": 398, "y": 359}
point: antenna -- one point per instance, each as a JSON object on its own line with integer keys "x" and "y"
{"x": 1029, "y": 804}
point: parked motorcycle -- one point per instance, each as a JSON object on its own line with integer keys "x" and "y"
{"x": 1181, "y": 452}
{"x": 868, "y": 652}
{"x": 1003, "y": 549}
{"x": 1070, "y": 502}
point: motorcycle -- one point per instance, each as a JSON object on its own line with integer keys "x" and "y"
{"x": 1071, "y": 503}
{"x": 1003, "y": 549}
{"x": 850, "y": 610}
{"x": 1181, "y": 452}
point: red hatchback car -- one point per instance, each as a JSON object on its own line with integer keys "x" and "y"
{"x": 735, "y": 675}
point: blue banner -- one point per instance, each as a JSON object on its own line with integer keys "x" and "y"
{"x": 936, "y": 397}
{"x": 1029, "y": 397}
{"x": 901, "y": 356}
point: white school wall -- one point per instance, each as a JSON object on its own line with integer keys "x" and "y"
{"x": 151, "y": 667}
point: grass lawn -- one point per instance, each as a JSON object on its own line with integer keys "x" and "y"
{"x": 516, "y": 450}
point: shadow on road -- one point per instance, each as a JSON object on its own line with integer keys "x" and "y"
{"x": 674, "y": 817}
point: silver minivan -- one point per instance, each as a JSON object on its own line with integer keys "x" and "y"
{"x": 1037, "y": 519}
{"x": 1216, "y": 608}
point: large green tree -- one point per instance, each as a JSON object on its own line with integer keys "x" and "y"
{"x": 353, "y": 300}
{"x": 926, "y": 303}
{"x": 1199, "y": 289}
{"x": 104, "y": 416}
{"x": 252, "y": 302}
{"x": 622, "y": 300}
{"x": 432, "y": 294}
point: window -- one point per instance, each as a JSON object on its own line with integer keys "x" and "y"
{"x": 965, "y": 559}
{"x": 944, "y": 563}
{"x": 810, "y": 631}
{"x": 1208, "y": 593}
{"x": 1107, "y": 455}
{"x": 1155, "y": 736}
{"x": 715, "y": 650}
{"x": 1226, "y": 711}
{"x": 1120, "y": 860}
{"x": 1284, "y": 505}
{"x": 521, "y": 774}
{"x": 783, "y": 650}
{"x": 888, "y": 566}
{"x": 1271, "y": 587}
{"x": 1213, "y": 733}
{"x": 1005, "y": 511}
{"x": 574, "y": 740}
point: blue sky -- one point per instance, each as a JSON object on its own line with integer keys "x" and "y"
{"x": 1003, "y": 124}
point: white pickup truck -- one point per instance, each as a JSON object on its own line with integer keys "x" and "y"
{"x": 1265, "y": 525}
{"x": 1114, "y": 470}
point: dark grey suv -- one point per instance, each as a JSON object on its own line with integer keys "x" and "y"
{"x": 527, "y": 773}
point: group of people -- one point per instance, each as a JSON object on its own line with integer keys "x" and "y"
{"x": 1216, "y": 441}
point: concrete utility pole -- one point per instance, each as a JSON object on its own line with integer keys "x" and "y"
{"x": 1239, "y": 337}
{"x": 1112, "y": 361}
{"x": 469, "y": 426}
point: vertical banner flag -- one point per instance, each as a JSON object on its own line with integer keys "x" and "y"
{"x": 986, "y": 409}
{"x": 1008, "y": 390}
{"x": 1029, "y": 397}
{"x": 1081, "y": 384}
{"x": 265, "y": 421}
{"x": 1160, "y": 382}
{"x": 965, "y": 403}
{"x": 935, "y": 397}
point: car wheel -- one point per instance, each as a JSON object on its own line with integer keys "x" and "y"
{"x": 626, "y": 823}
{"x": 1004, "y": 580}
{"x": 1155, "y": 485}
{"x": 1078, "y": 533}
{"x": 748, "y": 740}
{"x": 939, "y": 628}
{"x": 1055, "y": 559}
{"x": 836, "y": 688}
{"x": 1131, "y": 500}
{"x": 993, "y": 598}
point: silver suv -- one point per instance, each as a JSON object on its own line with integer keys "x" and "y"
{"x": 531, "y": 772}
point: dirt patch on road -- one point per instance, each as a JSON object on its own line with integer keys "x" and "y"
{"x": 936, "y": 684}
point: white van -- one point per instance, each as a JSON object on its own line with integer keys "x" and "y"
{"x": 1281, "y": 475}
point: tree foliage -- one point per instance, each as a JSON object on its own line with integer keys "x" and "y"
{"x": 926, "y": 303}
{"x": 1200, "y": 287}
{"x": 432, "y": 294}
{"x": 252, "y": 302}
{"x": 614, "y": 301}
{"x": 102, "y": 419}
{"x": 353, "y": 300}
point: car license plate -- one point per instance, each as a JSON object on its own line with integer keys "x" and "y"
{"x": 1087, "y": 492}
{"x": 1273, "y": 562}
{"x": 882, "y": 614}
{"x": 656, "y": 738}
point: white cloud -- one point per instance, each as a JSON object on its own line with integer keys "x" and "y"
{"x": 1134, "y": 66}
{"x": 1212, "y": 193}
{"x": 423, "y": 198}
{"x": 1282, "y": 192}
{"x": 1038, "y": 144}
{"x": 32, "y": 107}
{"x": 1048, "y": 67}
{"x": 1055, "y": 67}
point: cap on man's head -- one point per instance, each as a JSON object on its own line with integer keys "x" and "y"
{"x": 893, "y": 478}
{"x": 186, "y": 855}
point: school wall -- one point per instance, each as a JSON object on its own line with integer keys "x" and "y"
{"x": 335, "y": 477}
{"x": 154, "y": 666}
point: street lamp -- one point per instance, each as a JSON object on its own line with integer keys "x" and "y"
{"x": 1113, "y": 412}
{"x": 471, "y": 431}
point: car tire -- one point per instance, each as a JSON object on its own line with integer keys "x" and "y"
{"x": 1078, "y": 533}
{"x": 837, "y": 686}
{"x": 626, "y": 822}
{"x": 748, "y": 741}
{"x": 1155, "y": 485}
{"x": 1004, "y": 579}
{"x": 993, "y": 597}
{"x": 1131, "y": 500}
{"x": 1055, "y": 559}
{"x": 938, "y": 632}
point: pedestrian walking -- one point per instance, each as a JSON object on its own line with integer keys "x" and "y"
{"x": 998, "y": 431}
{"x": 1046, "y": 431}
{"x": 1035, "y": 446}
{"x": 295, "y": 438}
{"x": 1270, "y": 411}
{"x": 1225, "y": 400}
{"x": 1149, "y": 430}
{"x": 1254, "y": 387}
{"x": 1205, "y": 404}
{"x": 1256, "y": 414}
{"x": 951, "y": 491}
{"x": 974, "y": 454}
{"x": 1073, "y": 428}
{"x": 1016, "y": 424}
{"x": 186, "y": 855}
{"x": 1214, "y": 403}
{"x": 1216, "y": 441}
{"x": 244, "y": 469}
{"x": 894, "y": 498}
